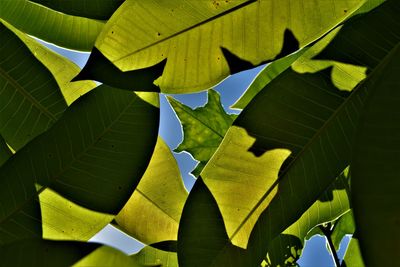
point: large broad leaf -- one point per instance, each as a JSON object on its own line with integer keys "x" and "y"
{"x": 375, "y": 167}
{"x": 304, "y": 113}
{"x": 30, "y": 98}
{"x": 95, "y": 9}
{"x": 152, "y": 214}
{"x": 40, "y": 253}
{"x": 5, "y": 152}
{"x": 64, "y": 30}
{"x": 94, "y": 155}
{"x": 191, "y": 33}
{"x": 203, "y": 128}
{"x": 61, "y": 68}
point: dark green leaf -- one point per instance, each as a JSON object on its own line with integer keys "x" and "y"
{"x": 95, "y": 9}
{"x": 203, "y": 128}
{"x": 99, "y": 68}
{"x": 366, "y": 39}
{"x": 30, "y": 98}
{"x": 375, "y": 166}
{"x": 202, "y": 239}
{"x": 94, "y": 155}
{"x": 44, "y": 253}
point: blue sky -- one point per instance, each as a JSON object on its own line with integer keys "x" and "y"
{"x": 315, "y": 253}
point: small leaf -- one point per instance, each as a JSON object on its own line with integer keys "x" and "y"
{"x": 153, "y": 212}
{"x": 203, "y": 128}
{"x": 95, "y": 9}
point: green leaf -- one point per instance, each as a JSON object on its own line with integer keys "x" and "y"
{"x": 62, "y": 219}
{"x": 152, "y": 213}
{"x": 150, "y": 256}
{"x": 303, "y": 113}
{"x": 62, "y": 69}
{"x": 286, "y": 248}
{"x": 30, "y": 99}
{"x": 39, "y": 253}
{"x": 375, "y": 166}
{"x": 64, "y": 30}
{"x": 94, "y": 156}
{"x": 353, "y": 257}
{"x": 95, "y": 9}
{"x": 5, "y": 152}
{"x": 203, "y": 128}
{"x": 195, "y": 36}
{"x": 343, "y": 226}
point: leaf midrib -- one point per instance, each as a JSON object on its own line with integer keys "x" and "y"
{"x": 186, "y": 29}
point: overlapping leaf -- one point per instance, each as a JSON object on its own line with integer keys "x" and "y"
{"x": 62, "y": 69}
{"x": 286, "y": 248}
{"x": 152, "y": 213}
{"x": 306, "y": 114}
{"x": 375, "y": 166}
{"x": 64, "y": 30}
{"x": 94, "y": 155}
{"x": 190, "y": 34}
{"x": 30, "y": 98}
{"x": 95, "y": 9}
{"x": 150, "y": 256}
{"x": 203, "y": 128}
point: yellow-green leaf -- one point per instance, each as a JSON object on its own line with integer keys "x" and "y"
{"x": 191, "y": 33}
{"x": 152, "y": 213}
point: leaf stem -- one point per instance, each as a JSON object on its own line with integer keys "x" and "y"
{"x": 327, "y": 230}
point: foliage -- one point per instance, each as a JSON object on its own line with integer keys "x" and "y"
{"x": 314, "y": 150}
